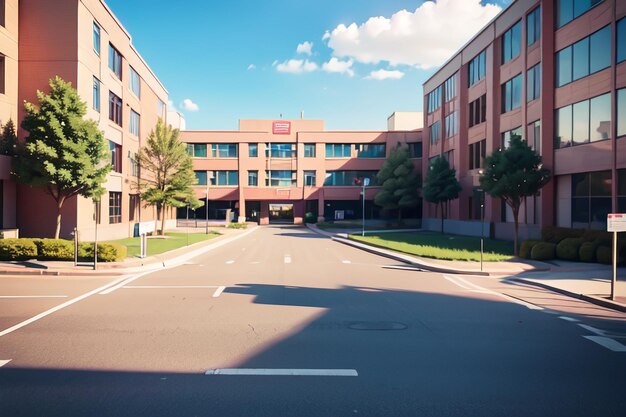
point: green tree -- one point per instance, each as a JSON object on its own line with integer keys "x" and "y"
{"x": 399, "y": 182}
{"x": 8, "y": 139}
{"x": 63, "y": 153}
{"x": 168, "y": 172}
{"x": 513, "y": 174}
{"x": 441, "y": 185}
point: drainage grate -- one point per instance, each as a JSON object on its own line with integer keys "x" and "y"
{"x": 377, "y": 325}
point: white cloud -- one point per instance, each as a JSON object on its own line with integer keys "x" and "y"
{"x": 296, "y": 66}
{"x": 305, "y": 48}
{"x": 424, "y": 38}
{"x": 385, "y": 75}
{"x": 341, "y": 67}
{"x": 251, "y": 67}
{"x": 189, "y": 105}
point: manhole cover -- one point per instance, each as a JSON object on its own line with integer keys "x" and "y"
{"x": 377, "y": 325}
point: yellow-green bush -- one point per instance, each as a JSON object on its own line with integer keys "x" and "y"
{"x": 568, "y": 248}
{"x": 543, "y": 251}
{"x": 237, "y": 225}
{"x": 17, "y": 249}
{"x": 526, "y": 247}
{"x": 54, "y": 249}
{"x": 107, "y": 252}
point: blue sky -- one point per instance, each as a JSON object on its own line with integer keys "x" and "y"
{"x": 238, "y": 59}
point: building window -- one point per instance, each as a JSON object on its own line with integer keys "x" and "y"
{"x": 224, "y": 150}
{"x": 512, "y": 94}
{"x": 253, "y": 150}
{"x": 280, "y": 150}
{"x": 349, "y": 178}
{"x": 621, "y": 112}
{"x": 309, "y": 178}
{"x": 451, "y": 124}
{"x": 415, "y": 150}
{"x": 280, "y": 178}
{"x": 253, "y": 178}
{"x": 506, "y": 136}
{"x": 338, "y": 150}
{"x": 115, "y": 61}
{"x": 116, "y": 156}
{"x": 477, "y": 152}
{"x": 135, "y": 82}
{"x": 583, "y": 122}
{"x": 115, "y": 109}
{"x": 533, "y": 83}
{"x": 568, "y": 10}
{"x": 201, "y": 177}
{"x": 476, "y": 201}
{"x": 96, "y": 94}
{"x": 309, "y": 150}
{"x": 434, "y": 99}
{"x": 512, "y": 42}
{"x": 435, "y": 132}
{"x": 450, "y": 88}
{"x": 2, "y": 74}
{"x": 161, "y": 108}
{"x": 96, "y": 38}
{"x": 533, "y": 26}
{"x": 134, "y": 164}
{"x": 225, "y": 178}
{"x": 478, "y": 110}
{"x": 477, "y": 69}
{"x": 534, "y": 136}
{"x": 591, "y": 199}
{"x": 377, "y": 150}
{"x": 133, "y": 207}
{"x": 585, "y": 57}
{"x": 115, "y": 207}
{"x": 621, "y": 40}
{"x": 134, "y": 123}
{"x": 197, "y": 150}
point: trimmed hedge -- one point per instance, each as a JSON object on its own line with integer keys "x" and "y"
{"x": 17, "y": 249}
{"x": 555, "y": 234}
{"x": 604, "y": 255}
{"x": 543, "y": 251}
{"x": 526, "y": 247}
{"x": 107, "y": 252}
{"x": 54, "y": 249}
{"x": 568, "y": 248}
{"x": 587, "y": 251}
{"x": 237, "y": 225}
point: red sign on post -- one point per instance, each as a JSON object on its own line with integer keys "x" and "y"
{"x": 281, "y": 128}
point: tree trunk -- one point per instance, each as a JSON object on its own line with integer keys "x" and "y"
{"x": 516, "y": 226}
{"x": 163, "y": 220}
{"x": 60, "y": 202}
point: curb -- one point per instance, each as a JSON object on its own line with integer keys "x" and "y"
{"x": 589, "y": 298}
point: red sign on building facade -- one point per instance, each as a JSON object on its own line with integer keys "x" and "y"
{"x": 281, "y": 128}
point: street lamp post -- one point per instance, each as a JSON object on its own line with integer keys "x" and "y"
{"x": 206, "y": 210}
{"x": 366, "y": 182}
{"x": 482, "y": 222}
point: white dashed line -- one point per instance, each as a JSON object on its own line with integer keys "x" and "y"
{"x": 346, "y": 262}
{"x": 218, "y": 292}
{"x": 281, "y": 372}
{"x": 573, "y": 320}
{"x": 33, "y": 296}
{"x": 608, "y": 343}
{"x": 230, "y": 262}
{"x": 4, "y": 362}
{"x": 477, "y": 288}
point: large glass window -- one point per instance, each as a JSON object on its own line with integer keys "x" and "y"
{"x": 600, "y": 119}
{"x": 96, "y": 38}
{"x": 580, "y": 126}
{"x": 309, "y": 178}
{"x": 584, "y": 122}
{"x": 563, "y": 136}
{"x": 338, "y": 150}
{"x": 134, "y": 123}
{"x": 435, "y": 132}
{"x": 512, "y": 42}
{"x": 621, "y": 112}
{"x": 253, "y": 178}
{"x": 534, "y": 136}
{"x": 533, "y": 26}
{"x": 591, "y": 199}
{"x": 568, "y": 10}
{"x": 506, "y": 136}
{"x": 451, "y": 124}
{"x": 224, "y": 178}
{"x": 476, "y": 69}
{"x": 371, "y": 150}
{"x": 96, "y": 94}
{"x": 116, "y": 156}
{"x": 450, "y": 88}
{"x": 477, "y": 153}
{"x": 434, "y": 99}
{"x": 201, "y": 176}
{"x": 280, "y": 150}
{"x": 197, "y": 150}
{"x": 224, "y": 150}
{"x": 512, "y": 94}
{"x": 115, "y": 61}
{"x": 115, "y": 207}
{"x": 349, "y": 178}
{"x": 533, "y": 83}
{"x": 415, "y": 150}
{"x": 280, "y": 178}
{"x": 309, "y": 150}
{"x": 115, "y": 109}
{"x": 135, "y": 82}
{"x": 621, "y": 40}
{"x": 585, "y": 57}
{"x": 478, "y": 110}
{"x": 253, "y": 150}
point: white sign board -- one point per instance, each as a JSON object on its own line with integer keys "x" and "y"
{"x": 616, "y": 222}
{"x": 146, "y": 227}
{"x": 366, "y": 182}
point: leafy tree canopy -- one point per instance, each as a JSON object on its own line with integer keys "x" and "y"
{"x": 441, "y": 184}
{"x": 399, "y": 182}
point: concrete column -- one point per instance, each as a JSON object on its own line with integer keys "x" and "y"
{"x": 320, "y": 206}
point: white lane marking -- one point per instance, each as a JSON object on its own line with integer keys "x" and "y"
{"x": 455, "y": 282}
{"x": 33, "y": 296}
{"x": 218, "y": 292}
{"x": 4, "y": 362}
{"x": 607, "y": 343}
{"x": 59, "y": 307}
{"x": 156, "y": 287}
{"x": 282, "y": 372}
{"x": 593, "y": 330}
{"x": 287, "y": 259}
{"x": 477, "y": 288}
{"x": 125, "y": 281}
{"x": 346, "y": 262}
{"x": 573, "y": 320}
{"x": 230, "y": 262}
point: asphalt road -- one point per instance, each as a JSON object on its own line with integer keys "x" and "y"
{"x": 379, "y": 341}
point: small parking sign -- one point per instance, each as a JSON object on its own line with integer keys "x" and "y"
{"x": 616, "y": 222}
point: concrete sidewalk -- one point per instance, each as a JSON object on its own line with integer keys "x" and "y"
{"x": 586, "y": 281}
{"x": 127, "y": 266}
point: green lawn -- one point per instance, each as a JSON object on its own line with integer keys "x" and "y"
{"x": 156, "y": 245}
{"x": 440, "y": 246}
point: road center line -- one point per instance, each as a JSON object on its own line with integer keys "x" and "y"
{"x": 281, "y": 372}
{"x": 4, "y": 362}
{"x": 33, "y": 296}
{"x": 218, "y": 292}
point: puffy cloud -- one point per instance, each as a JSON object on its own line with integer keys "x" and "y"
{"x": 251, "y": 67}
{"x": 305, "y": 48}
{"x": 424, "y": 38}
{"x": 385, "y": 75}
{"x": 189, "y": 105}
{"x": 341, "y": 67}
{"x": 296, "y": 66}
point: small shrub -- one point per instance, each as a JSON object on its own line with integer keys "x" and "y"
{"x": 603, "y": 236}
{"x": 17, "y": 249}
{"x": 526, "y": 247}
{"x": 107, "y": 252}
{"x": 237, "y": 225}
{"x": 587, "y": 251}
{"x": 556, "y": 234}
{"x": 543, "y": 251}
{"x": 54, "y": 250}
{"x": 568, "y": 248}
{"x": 604, "y": 255}
{"x": 309, "y": 217}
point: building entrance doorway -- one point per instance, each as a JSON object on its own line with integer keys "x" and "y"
{"x": 281, "y": 213}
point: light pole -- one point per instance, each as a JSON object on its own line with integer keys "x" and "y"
{"x": 482, "y": 222}
{"x": 366, "y": 182}
{"x": 206, "y": 210}
{"x": 95, "y": 243}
